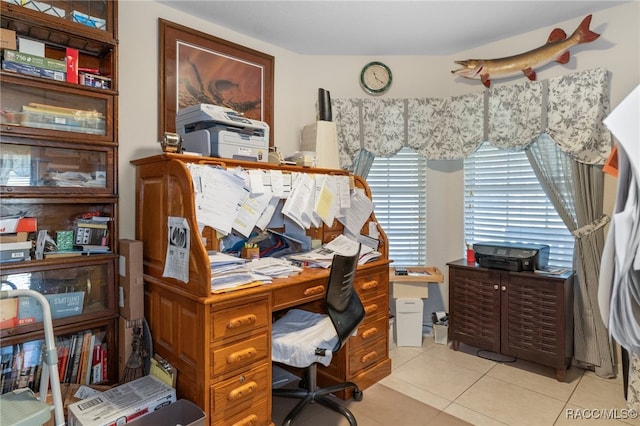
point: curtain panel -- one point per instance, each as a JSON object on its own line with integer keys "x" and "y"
{"x": 569, "y": 108}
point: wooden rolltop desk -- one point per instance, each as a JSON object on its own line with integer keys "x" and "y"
{"x": 220, "y": 343}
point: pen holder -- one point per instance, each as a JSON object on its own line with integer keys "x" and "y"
{"x": 250, "y": 253}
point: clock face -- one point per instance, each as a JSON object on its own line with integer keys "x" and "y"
{"x": 375, "y": 78}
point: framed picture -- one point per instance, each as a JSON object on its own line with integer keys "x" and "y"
{"x": 199, "y": 68}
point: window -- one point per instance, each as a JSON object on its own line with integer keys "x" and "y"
{"x": 505, "y": 202}
{"x": 398, "y": 188}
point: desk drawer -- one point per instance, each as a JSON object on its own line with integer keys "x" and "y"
{"x": 375, "y": 307}
{"x": 298, "y": 294}
{"x": 369, "y": 331}
{"x": 239, "y": 393}
{"x": 239, "y": 319}
{"x": 240, "y": 354}
{"x": 366, "y": 356}
{"x": 372, "y": 284}
{"x": 256, "y": 415}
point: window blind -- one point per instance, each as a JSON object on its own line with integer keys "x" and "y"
{"x": 398, "y": 188}
{"x": 504, "y": 202}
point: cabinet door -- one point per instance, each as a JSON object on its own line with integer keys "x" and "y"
{"x": 475, "y": 307}
{"x": 533, "y": 318}
{"x": 33, "y": 168}
{"x": 78, "y": 291}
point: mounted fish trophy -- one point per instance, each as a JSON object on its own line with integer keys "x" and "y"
{"x": 556, "y": 49}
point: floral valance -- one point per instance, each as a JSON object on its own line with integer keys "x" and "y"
{"x": 570, "y": 109}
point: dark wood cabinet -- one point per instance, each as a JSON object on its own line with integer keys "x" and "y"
{"x": 59, "y": 145}
{"x": 522, "y": 314}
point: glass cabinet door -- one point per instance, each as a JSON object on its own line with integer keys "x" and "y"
{"x": 39, "y": 166}
{"x": 72, "y": 291}
{"x": 37, "y": 109}
{"x": 95, "y": 14}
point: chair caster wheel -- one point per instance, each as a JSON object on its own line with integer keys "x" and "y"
{"x": 357, "y": 395}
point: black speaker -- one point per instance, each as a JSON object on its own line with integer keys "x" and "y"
{"x": 324, "y": 105}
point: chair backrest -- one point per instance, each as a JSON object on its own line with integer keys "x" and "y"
{"x": 341, "y": 300}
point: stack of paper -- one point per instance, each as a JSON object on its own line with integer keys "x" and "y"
{"x": 342, "y": 245}
{"x": 229, "y": 272}
{"x": 274, "y": 267}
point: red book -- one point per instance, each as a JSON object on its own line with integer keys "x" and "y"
{"x": 63, "y": 358}
{"x": 71, "y": 57}
{"x": 104, "y": 362}
{"x": 96, "y": 368}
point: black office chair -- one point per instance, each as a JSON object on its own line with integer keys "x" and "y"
{"x": 304, "y": 339}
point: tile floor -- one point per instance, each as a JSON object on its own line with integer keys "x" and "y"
{"x": 486, "y": 392}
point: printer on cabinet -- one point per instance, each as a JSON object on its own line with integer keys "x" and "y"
{"x": 215, "y": 131}
{"x": 512, "y": 257}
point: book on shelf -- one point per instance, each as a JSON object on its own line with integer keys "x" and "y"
{"x": 84, "y": 357}
{"x": 75, "y": 360}
{"x": 14, "y": 237}
{"x": 94, "y": 80}
{"x": 15, "y": 252}
{"x": 32, "y": 70}
{"x": 18, "y": 245}
{"x": 35, "y": 60}
{"x": 6, "y": 364}
{"x": 62, "y": 347}
{"x": 92, "y": 248}
{"x": 94, "y": 361}
{"x": 62, "y": 253}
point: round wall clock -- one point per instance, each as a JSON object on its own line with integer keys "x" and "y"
{"x": 375, "y": 78}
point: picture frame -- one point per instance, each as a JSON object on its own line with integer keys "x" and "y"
{"x": 196, "y": 67}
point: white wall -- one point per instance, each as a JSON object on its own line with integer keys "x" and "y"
{"x": 298, "y": 77}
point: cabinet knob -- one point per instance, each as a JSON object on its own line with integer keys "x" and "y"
{"x": 495, "y": 286}
{"x": 370, "y": 309}
{"x": 504, "y": 288}
{"x": 247, "y": 421}
{"x": 249, "y": 319}
{"x": 242, "y": 391}
{"x": 370, "y": 285}
{"x": 312, "y": 291}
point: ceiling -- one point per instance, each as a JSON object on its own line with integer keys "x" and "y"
{"x": 369, "y": 28}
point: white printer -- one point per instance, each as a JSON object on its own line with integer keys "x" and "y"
{"x": 216, "y": 131}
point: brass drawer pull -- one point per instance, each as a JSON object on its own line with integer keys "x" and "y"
{"x": 369, "y": 333}
{"x": 370, "y": 309}
{"x": 312, "y": 291}
{"x": 242, "y": 355}
{"x": 370, "y": 285}
{"x": 243, "y": 390}
{"x": 247, "y": 421}
{"x": 242, "y": 321}
{"x": 369, "y": 357}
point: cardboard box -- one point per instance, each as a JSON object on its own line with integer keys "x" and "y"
{"x": 121, "y": 404}
{"x": 7, "y": 39}
{"x": 13, "y": 225}
{"x": 182, "y": 412}
{"x": 8, "y": 313}
{"x": 36, "y": 61}
{"x": 125, "y": 337}
{"x": 68, "y": 393}
{"x": 131, "y": 290}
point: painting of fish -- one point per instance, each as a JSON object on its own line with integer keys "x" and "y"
{"x": 556, "y": 49}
